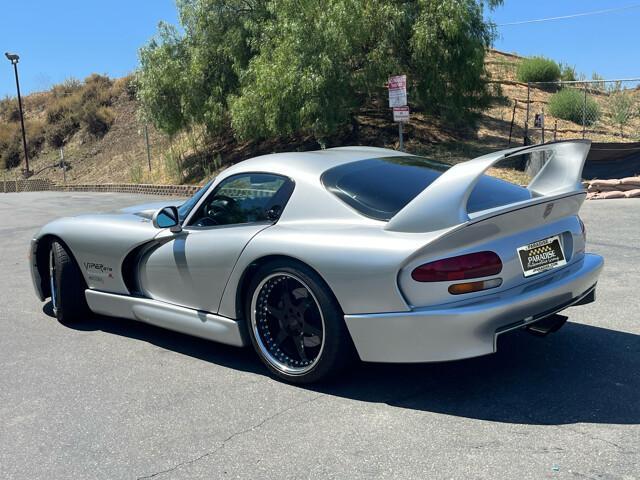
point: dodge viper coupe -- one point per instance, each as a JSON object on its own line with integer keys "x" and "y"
{"x": 321, "y": 257}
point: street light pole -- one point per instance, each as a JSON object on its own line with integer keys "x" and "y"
{"x": 14, "y": 58}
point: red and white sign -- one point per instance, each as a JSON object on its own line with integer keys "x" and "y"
{"x": 397, "y": 91}
{"x": 401, "y": 114}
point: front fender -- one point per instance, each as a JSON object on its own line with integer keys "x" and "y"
{"x": 99, "y": 244}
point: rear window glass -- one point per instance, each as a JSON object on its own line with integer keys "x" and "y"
{"x": 379, "y": 188}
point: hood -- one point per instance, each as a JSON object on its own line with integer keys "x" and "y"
{"x": 146, "y": 210}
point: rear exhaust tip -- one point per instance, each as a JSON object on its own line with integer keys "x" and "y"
{"x": 547, "y": 325}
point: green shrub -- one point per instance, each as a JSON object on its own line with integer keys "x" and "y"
{"x": 35, "y": 136}
{"x": 78, "y": 105}
{"x": 96, "y": 119}
{"x": 9, "y": 111}
{"x": 538, "y": 69}
{"x": 97, "y": 89}
{"x": 66, "y": 88}
{"x": 598, "y": 81}
{"x": 622, "y": 108}
{"x": 57, "y": 134}
{"x": 11, "y": 148}
{"x": 131, "y": 88}
{"x": 567, "y": 72}
{"x": 12, "y": 155}
{"x": 125, "y": 85}
{"x": 61, "y": 108}
{"x": 569, "y": 104}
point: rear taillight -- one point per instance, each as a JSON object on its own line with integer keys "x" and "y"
{"x": 463, "y": 267}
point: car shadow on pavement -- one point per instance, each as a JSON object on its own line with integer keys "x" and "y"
{"x": 580, "y": 374}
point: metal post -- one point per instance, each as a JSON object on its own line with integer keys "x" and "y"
{"x": 513, "y": 117}
{"x": 24, "y": 135}
{"x": 526, "y": 121}
{"x": 543, "y": 125}
{"x": 63, "y": 166}
{"x": 584, "y": 111}
{"x": 555, "y": 131}
{"x": 401, "y": 137}
{"x": 146, "y": 139}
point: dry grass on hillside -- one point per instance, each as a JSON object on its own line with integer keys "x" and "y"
{"x": 496, "y": 120}
{"x": 120, "y": 156}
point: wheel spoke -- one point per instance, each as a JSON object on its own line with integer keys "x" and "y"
{"x": 304, "y": 305}
{"x": 311, "y": 330}
{"x": 289, "y": 300}
{"x": 299, "y": 342}
{"x": 275, "y": 311}
{"x": 282, "y": 336}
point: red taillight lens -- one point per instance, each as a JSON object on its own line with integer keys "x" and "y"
{"x": 464, "y": 267}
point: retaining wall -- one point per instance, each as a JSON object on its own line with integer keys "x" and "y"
{"x": 40, "y": 184}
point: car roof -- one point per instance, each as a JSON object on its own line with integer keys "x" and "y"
{"x": 304, "y": 164}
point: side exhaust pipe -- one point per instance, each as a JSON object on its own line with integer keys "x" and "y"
{"x": 547, "y": 325}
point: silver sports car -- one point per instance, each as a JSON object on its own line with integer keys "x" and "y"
{"x": 318, "y": 258}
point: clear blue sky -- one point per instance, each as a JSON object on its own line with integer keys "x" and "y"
{"x": 63, "y": 38}
{"x": 57, "y": 39}
{"x": 607, "y": 44}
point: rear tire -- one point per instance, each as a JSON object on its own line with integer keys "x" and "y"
{"x": 295, "y": 324}
{"x": 67, "y": 286}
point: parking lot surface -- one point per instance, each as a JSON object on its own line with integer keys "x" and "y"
{"x": 112, "y": 398}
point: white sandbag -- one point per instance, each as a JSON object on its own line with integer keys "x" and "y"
{"x": 610, "y": 195}
{"x": 630, "y": 181}
{"x": 603, "y": 189}
{"x": 604, "y": 183}
{"x": 626, "y": 187}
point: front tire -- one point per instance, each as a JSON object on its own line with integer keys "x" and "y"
{"x": 295, "y": 324}
{"x": 67, "y": 286}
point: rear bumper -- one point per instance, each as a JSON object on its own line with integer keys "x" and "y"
{"x": 469, "y": 328}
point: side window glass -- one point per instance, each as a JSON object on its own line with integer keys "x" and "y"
{"x": 244, "y": 198}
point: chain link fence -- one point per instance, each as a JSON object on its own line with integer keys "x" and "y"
{"x": 599, "y": 110}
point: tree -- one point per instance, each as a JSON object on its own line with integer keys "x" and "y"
{"x": 161, "y": 80}
{"x": 271, "y": 67}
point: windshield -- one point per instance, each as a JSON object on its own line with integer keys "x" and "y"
{"x": 185, "y": 208}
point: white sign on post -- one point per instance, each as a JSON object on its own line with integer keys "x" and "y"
{"x": 397, "y": 91}
{"x": 401, "y": 114}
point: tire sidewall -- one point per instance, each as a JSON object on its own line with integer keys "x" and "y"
{"x": 69, "y": 286}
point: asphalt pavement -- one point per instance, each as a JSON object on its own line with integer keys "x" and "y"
{"x": 112, "y": 398}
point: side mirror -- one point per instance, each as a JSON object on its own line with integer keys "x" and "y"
{"x": 167, "y": 217}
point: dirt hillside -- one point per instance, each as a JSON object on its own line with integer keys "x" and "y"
{"x": 120, "y": 155}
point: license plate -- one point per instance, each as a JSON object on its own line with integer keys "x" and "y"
{"x": 541, "y": 256}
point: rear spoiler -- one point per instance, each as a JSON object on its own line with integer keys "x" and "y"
{"x": 443, "y": 204}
